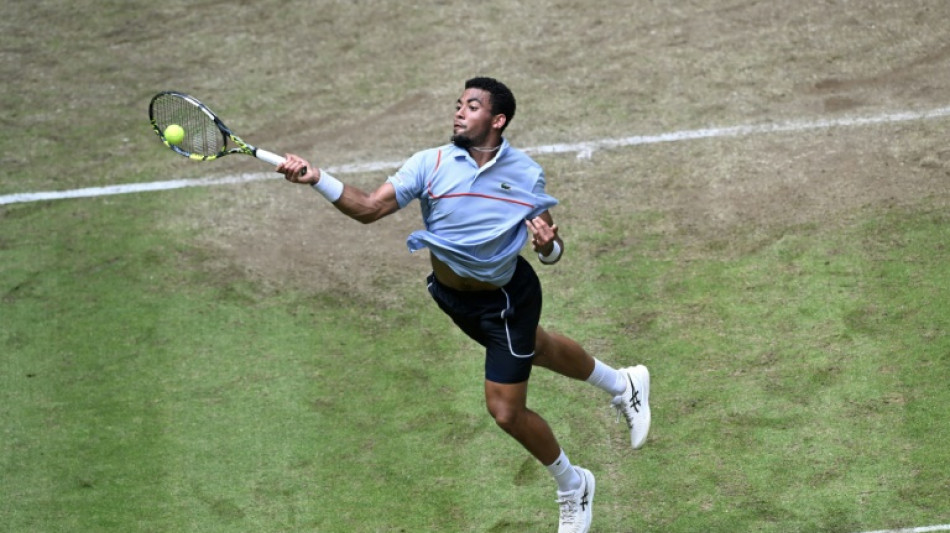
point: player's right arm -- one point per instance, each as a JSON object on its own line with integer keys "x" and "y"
{"x": 354, "y": 202}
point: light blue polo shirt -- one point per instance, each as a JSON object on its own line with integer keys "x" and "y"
{"x": 474, "y": 217}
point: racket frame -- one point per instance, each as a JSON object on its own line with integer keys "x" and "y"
{"x": 242, "y": 146}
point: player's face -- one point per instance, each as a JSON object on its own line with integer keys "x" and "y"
{"x": 472, "y": 122}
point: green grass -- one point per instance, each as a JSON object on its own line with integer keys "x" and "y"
{"x": 800, "y": 383}
{"x": 788, "y": 291}
{"x": 796, "y": 388}
{"x": 141, "y": 394}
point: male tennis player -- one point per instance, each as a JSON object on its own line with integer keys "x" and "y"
{"x": 481, "y": 199}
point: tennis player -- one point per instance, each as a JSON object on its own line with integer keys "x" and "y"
{"x": 481, "y": 201}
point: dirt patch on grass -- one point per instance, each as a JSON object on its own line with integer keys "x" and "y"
{"x": 700, "y": 65}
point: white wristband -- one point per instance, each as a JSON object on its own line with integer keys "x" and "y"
{"x": 551, "y": 257}
{"x": 330, "y": 187}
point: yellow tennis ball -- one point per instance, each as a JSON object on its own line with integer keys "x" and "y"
{"x": 174, "y": 134}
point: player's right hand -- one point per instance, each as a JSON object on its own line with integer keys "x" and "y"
{"x": 298, "y": 170}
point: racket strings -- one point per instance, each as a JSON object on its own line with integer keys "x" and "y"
{"x": 202, "y": 136}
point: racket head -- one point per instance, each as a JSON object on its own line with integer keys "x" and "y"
{"x": 206, "y": 137}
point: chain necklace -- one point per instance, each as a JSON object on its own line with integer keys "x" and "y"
{"x": 486, "y": 150}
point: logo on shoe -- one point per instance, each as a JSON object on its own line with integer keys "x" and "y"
{"x": 635, "y": 398}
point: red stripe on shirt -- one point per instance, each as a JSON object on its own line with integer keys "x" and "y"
{"x": 475, "y": 194}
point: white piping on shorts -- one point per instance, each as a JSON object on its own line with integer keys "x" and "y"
{"x": 507, "y": 332}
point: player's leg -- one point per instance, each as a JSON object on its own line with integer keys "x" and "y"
{"x": 563, "y": 355}
{"x": 629, "y": 387}
{"x": 507, "y": 404}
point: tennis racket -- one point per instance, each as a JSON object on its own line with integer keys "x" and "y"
{"x": 205, "y": 136}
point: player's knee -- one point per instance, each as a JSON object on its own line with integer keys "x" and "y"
{"x": 506, "y": 416}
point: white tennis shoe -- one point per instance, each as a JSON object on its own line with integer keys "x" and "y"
{"x": 634, "y": 404}
{"x": 577, "y": 505}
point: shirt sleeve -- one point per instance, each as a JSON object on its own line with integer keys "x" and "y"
{"x": 409, "y": 180}
{"x": 543, "y": 201}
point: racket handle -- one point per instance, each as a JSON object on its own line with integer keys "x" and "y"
{"x": 273, "y": 158}
{"x": 270, "y": 157}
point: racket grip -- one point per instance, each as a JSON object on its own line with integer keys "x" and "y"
{"x": 273, "y": 159}
{"x": 270, "y": 157}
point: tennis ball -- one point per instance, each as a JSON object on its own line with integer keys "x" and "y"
{"x": 174, "y": 134}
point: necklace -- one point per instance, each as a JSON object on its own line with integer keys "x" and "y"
{"x": 485, "y": 150}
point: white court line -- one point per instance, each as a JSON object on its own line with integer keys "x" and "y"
{"x": 583, "y": 150}
{"x": 925, "y": 529}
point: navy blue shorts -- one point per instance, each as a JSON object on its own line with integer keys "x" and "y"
{"x": 504, "y": 321}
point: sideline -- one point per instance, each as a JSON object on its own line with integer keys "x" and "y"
{"x": 584, "y": 150}
{"x": 924, "y": 529}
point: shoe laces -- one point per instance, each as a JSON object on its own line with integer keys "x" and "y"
{"x": 568, "y": 507}
{"x": 622, "y": 410}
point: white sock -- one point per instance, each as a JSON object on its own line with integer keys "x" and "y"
{"x": 567, "y": 478}
{"x": 607, "y": 378}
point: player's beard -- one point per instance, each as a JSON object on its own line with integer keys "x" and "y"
{"x": 462, "y": 141}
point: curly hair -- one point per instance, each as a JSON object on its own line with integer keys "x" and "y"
{"x": 502, "y": 99}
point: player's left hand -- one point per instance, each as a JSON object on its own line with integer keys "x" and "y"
{"x": 543, "y": 235}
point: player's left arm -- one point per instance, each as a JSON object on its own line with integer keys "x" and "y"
{"x": 545, "y": 239}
